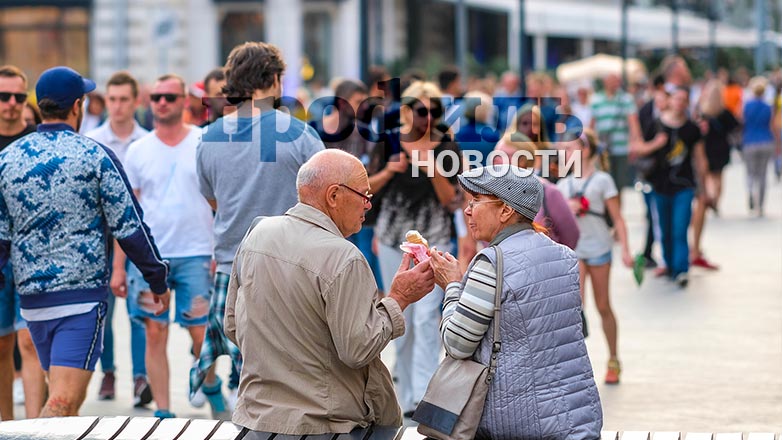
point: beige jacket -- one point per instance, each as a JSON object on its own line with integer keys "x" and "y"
{"x": 302, "y": 307}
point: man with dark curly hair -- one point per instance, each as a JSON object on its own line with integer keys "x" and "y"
{"x": 247, "y": 164}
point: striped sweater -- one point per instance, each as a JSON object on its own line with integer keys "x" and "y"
{"x": 468, "y": 313}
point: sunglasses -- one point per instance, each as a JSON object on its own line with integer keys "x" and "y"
{"x": 422, "y": 111}
{"x": 20, "y": 97}
{"x": 169, "y": 97}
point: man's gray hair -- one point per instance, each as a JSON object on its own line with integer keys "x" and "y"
{"x": 325, "y": 168}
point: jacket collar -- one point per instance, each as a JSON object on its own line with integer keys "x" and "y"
{"x": 55, "y": 126}
{"x": 510, "y": 230}
{"x": 315, "y": 216}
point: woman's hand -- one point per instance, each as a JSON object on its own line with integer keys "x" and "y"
{"x": 703, "y": 124}
{"x": 445, "y": 267}
{"x": 575, "y": 206}
{"x": 397, "y": 163}
{"x": 627, "y": 259}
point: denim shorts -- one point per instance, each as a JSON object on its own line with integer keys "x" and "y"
{"x": 10, "y": 318}
{"x": 191, "y": 286}
{"x": 72, "y": 341}
{"x": 599, "y": 260}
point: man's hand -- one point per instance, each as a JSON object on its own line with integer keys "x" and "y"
{"x": 164, "y": 301}
{"x": 410, "y": 285}
{"x": 119, "y": 283}
{"x": 445, "y": 268}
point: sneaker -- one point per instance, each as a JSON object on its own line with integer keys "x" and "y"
{"x": 142, "y": 394}
{"x": 682, "y": 279}
{"x": 661, "y": 272}
{"x": 107, "y": 387}
{"x": 650, "y": 263}
{"x": 233, "y": 396}
{"x": 18, "y": 391}
{"x": 214, "y": 395}
{"x": 704, "y": 263}
{"x": 613, "y": 371}
{"x": 199, "y": 399}
{"x": 164, "y": 414}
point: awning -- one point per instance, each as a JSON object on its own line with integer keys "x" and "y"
{"x": 648, "y": 27}
{"x": 598, "y": 66}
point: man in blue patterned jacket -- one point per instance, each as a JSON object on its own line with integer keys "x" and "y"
{"x": 62, "y": 197}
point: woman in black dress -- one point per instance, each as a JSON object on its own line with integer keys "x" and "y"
{"x": 717, "y": 125}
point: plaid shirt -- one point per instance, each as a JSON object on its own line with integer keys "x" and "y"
{"x": 215, "y": 343}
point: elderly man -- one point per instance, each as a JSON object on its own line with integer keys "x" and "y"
{"x": 303, "y": 309}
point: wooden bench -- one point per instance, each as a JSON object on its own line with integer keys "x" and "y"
{"x": 150, "y": 428}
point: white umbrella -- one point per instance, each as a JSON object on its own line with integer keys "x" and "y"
{"x": 598, "y": 66}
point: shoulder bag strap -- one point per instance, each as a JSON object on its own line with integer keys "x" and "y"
{"x": 496, "y": 345}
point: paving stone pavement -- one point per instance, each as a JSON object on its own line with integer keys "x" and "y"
{"x": 704, "y": 359}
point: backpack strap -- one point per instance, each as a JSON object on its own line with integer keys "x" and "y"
{"x": 583, "y": 191}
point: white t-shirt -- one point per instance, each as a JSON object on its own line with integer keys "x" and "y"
{"x": 174, "y": 209}
{"x": 595, "y": 237}
{"x": 106, "y": 136}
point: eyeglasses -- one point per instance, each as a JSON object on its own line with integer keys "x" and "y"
{"x": 20, "y": 97}
{"x": 169, "y": 97}
{"x": 367, "y": 197}
{"x": 472, "y": 203}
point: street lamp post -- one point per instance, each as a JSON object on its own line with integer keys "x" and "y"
{"x": 675, "y": 26}
{"x": 461, "y": 39}
{"x": 760, "y": 19}
{"x": 713, "y": 37}
{"x": 363, "y": 29}
{"x": 522, "y": 46}
{"x": 623, "y": 42}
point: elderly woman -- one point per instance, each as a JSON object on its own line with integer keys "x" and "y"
{"x": 544, "y": 386}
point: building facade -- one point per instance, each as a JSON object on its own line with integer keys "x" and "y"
{"x": 321, "y": 39}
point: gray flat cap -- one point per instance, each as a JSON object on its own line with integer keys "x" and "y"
{"x": 517, "y": 187}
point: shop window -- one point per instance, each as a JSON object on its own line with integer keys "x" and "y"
{"x": 317, "y": 43}
{"x": 238, "y": 27}
{"x": 37, "y": 38}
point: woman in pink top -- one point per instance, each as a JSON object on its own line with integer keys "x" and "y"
{"x": 554, "y": 214}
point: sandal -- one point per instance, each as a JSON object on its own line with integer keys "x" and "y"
{"x": 612, "y": 374}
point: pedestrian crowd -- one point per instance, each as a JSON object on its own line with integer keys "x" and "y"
{"x": 273, "y": 229}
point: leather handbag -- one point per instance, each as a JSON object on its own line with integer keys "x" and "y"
{"x": 452, "y": 406}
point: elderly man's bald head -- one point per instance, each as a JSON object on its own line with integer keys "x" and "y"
{"x": 336, "y": 183}
{"x": 326, "y": 168}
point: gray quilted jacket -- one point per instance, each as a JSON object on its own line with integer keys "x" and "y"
{"x": 544, "y": 387}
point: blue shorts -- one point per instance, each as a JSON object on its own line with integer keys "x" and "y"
{"x": 72, "y": 341}
{"x": 191, "y": 283}
{"x": 10, "y": 317}
{"x": 598, "y": 261}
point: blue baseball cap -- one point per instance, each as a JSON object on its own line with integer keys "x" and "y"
{"x": 62, "y": 85}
